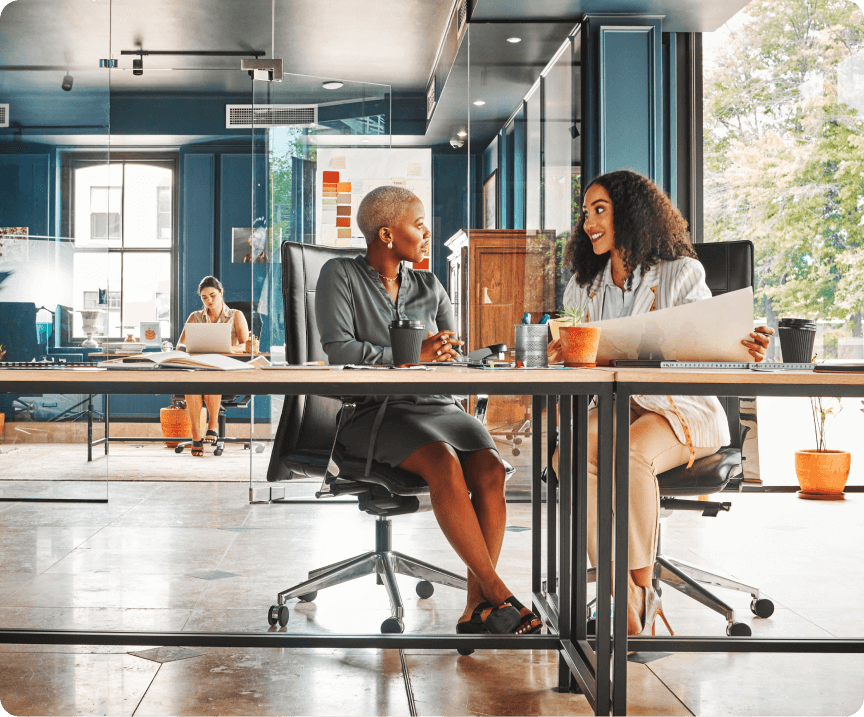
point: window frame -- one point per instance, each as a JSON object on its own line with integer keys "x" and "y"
{"x": 73, "y": 160}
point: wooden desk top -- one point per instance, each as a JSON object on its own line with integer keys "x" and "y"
{"x": 123, "y": 354}
{"x": 300, "y": 381}
{"x": 738, "y": 376}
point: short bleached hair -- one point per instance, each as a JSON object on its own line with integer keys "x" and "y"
{"x": 382, "y": 207}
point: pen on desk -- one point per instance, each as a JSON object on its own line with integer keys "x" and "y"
{"x": 526, "y": 318}
{"x": 544, "y": 319}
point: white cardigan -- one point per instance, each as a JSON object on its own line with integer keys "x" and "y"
{"x": 667, "y": 284}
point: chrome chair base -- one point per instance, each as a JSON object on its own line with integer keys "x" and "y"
{"x": 384, "y": 563}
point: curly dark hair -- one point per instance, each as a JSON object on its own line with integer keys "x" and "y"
{"x": 648, "y": 228}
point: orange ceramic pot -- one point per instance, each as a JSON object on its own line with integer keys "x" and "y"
{"x": 822, "y": 471}
{"x": 579, "y": 345}
{"x": 2, "y": 423}
{"x": 175, "y": 424}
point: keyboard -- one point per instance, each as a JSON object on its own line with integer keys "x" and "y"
{"x": 30, "y": 365}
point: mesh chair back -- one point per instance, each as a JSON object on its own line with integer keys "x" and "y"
{"x": 307, "y": 422}
{"x": 729, "y": 266}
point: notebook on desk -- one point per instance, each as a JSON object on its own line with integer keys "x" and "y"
{"x": 208, "y": 338}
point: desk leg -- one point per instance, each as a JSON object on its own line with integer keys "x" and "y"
{"x": 621, "y": 550}
{"x": 604, "y": 551}
{"x": 551, "y": 525}
{"x": 89, "y": 428}
{"x": 106, "y": 424}
{"x": 565, "y": 489}
{"x": 537, "y": 405}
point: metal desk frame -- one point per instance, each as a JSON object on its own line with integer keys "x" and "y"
{"x": 577, "y": 660}
{"x": 620, "y": 642}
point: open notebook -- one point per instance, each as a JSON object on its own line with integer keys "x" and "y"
{"x": 180, "y": 359}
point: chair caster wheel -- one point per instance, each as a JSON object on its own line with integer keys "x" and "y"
{"x": 465, "y": 651}
{"x": 259, "y": 449}
{"x": 393, "y": 625}
{"x": 738, "y": 629}
{"x": 217, "y": 452}
{"x": 516, "y": 452}
{"x": 425, "y": 589}
{"x": 179, "y": 449}
{"x": 308, "y": 597}
{"x": 517, "y": 441}
{"x": 278, "y": 613}
{"x": 762, "y": 607}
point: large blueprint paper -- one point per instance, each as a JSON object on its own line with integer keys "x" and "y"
{"x": 709, "y": 330}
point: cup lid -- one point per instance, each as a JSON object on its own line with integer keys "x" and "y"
{"x": 796, "y": 323}
{"x": 407, "y": 324}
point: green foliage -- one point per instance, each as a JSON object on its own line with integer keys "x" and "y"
{"x": 784, "y": 158}
{"x": 575, "y": 314}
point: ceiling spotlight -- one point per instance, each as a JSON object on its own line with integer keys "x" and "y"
{"x": 333, "y": 85}
{"x": 514, "y": 40}
{"x": 138, "y": 66}
{"x": 479, "y": 103}
{"x": 66, "y": 85}
{"x": 461, "y": 133}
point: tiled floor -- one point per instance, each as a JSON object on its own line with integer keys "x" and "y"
{"x": 198, "y": 557}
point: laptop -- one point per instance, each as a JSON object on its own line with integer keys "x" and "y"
{"x": 208, "y": 338}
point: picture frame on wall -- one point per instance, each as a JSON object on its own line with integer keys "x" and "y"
{"x": 151, "y": 333}
{"x": 490, "y": 206}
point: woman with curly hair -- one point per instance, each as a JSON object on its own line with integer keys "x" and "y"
{"x": 630, "y": 254}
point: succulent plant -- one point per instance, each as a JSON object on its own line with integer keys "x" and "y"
{"x": 574, "y": 314}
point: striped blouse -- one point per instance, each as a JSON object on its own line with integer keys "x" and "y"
{"x": 667, "y": 284}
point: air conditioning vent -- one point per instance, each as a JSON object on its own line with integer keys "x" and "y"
{"x": 461, "y": 16}
{"x": 430, "y": 98}
{"x": 248, "y": 116}
{"x": 4, "y": 115}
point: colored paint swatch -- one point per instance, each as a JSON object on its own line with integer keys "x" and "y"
{"x": 341, "y": 210}
{"x": 344, "y": 243}
{"x": 330, "y": 194}
{"x": 331, "y": 187}
{"x": 343, "y": 233}
{"x": 331, "y": 177}
{"x": 343, "y": 221}
{"x": 328, "y": 235}
{"x": 344, "y": 186}
{"x": 329, "y": 218}
{"x": 328, "y": 200}
{"x": 344, "y": 198}
{"x": 329, "y": 208}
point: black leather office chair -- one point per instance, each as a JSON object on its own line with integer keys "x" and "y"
{"x": 728, "y": 267}
{"x": 305, "y": 446}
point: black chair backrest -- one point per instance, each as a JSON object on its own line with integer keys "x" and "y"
{"x": 729, "y": 266}
{"x": 307, "y": 422}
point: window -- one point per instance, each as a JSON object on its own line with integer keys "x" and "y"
{"x": 784, "y": 159}
{"x": 121, "y": 218}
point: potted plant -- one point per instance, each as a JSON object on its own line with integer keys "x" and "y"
{"x": 579, "y": 343}
{"x": 2, "y": 351}
{"x": 822, "y": 473}
{"x": 174, "y": 420}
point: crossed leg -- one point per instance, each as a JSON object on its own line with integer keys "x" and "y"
{"x": 470, "y": 507}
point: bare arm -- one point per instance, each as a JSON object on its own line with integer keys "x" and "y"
{"x": 241, "y": 328}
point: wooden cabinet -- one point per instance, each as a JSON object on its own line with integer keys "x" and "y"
{"x": 495, "y": 276}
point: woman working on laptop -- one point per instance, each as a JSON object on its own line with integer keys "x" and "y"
{"x": 630, "y": 254}
{"x": 215, "y": 311}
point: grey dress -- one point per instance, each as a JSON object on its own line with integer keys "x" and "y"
{"x": 353, "y": 311}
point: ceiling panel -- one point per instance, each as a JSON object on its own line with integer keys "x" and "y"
{"x": 680, "y": 15}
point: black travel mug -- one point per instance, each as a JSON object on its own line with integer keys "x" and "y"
{"x": 406, "y": 338}
{"x": 796, "y": 339}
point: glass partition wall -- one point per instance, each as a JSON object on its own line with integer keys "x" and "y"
{"x": 319, "y": 145}
{"x": 57, "y": 271}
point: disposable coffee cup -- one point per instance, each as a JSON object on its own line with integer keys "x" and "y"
{"x": 406, "y": 338}
{"x": 532, "y": 342}
{"x": 796, "y": 339}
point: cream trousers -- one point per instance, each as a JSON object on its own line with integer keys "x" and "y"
{"x": 654, "y": 448}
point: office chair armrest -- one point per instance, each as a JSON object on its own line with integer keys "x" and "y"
{"x": 348, "y": 408}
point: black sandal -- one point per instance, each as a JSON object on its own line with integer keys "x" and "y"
{"x": 474, "y": 626}
{"x": 525, "y": 620}
{"x": 211, "y": 436}
{"x": 197, "y": 448}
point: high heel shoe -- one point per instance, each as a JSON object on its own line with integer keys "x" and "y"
{"x": 653, "y": 608}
